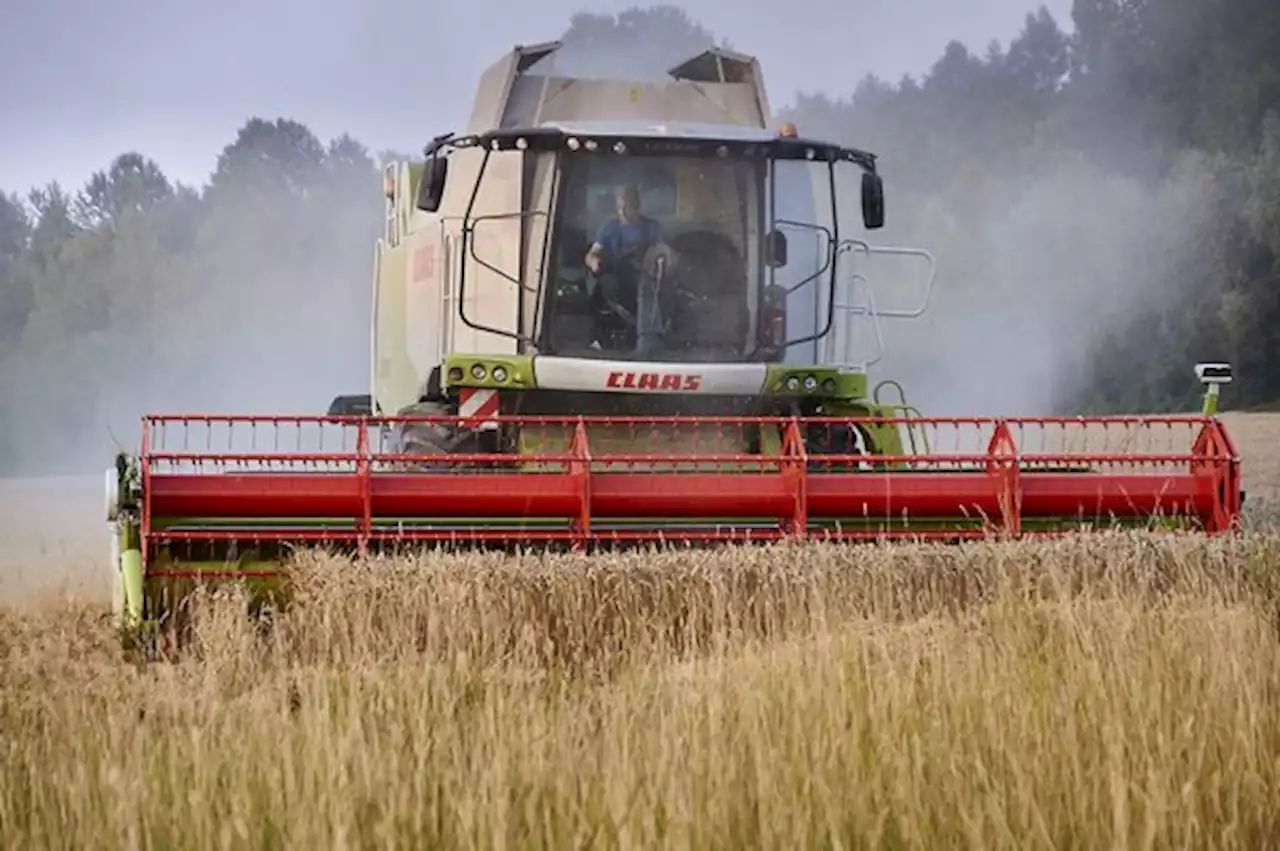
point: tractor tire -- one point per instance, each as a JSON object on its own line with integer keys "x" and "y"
{"x": 426, "y": 439}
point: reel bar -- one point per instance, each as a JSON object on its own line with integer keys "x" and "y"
{"x": 355, "y": 493}
{"x": 621, "y": 495}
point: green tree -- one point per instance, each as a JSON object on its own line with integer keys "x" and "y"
{"x": 131, "y": 184}
{"x": 280, "y": 156}
{"x": 54, "y": 222}
{"x": 1039, "y": 58}
{"x": 16, "y": 298}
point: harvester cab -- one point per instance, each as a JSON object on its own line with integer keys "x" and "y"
{"x": 614, "y": 311}
{"x": 595, "y": 247}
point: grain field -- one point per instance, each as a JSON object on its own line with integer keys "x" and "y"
{"x": 1113, "y": 691}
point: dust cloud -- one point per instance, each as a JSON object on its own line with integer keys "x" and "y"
{"x": 262, "y": 309}
{"x": 641, "y": 46}
{"x": 1031, "y": 275}
{"x": 1040, "y": 256}
{"x": 239, "y": 321}
{"x": 268, "y": 310}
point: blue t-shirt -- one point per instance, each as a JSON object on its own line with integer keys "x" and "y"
{"x": 618, "y": 239}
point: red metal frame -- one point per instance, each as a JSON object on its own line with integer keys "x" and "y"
{"x": 999, "y": 482}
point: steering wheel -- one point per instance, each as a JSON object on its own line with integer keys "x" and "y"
{"x": 656, "y": 262}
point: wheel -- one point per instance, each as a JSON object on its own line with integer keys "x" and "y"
{"x": 425, "y": 439}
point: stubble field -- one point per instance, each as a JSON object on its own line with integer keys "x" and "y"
{"x": 1105, "y": 692}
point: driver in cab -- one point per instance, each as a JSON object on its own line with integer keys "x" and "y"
{"x": 630, "y": 234}
{"x": 620, "y": 247}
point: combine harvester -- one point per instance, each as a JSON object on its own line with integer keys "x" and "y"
{"x": 528, "y": 387}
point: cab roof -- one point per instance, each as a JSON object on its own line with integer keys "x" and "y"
{"x": 658, "y": 138}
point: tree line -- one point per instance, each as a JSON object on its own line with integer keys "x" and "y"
{"x": 135, "y": 293}
{"x": 1104, "y": 206}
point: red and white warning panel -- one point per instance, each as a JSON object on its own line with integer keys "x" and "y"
{"x": 478, "y": 408}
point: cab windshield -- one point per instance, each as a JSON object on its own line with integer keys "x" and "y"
{"x": 662, "y": 257}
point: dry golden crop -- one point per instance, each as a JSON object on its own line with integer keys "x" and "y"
{"x": 1117, "y": 691}
{"x": 1108, "y": 691}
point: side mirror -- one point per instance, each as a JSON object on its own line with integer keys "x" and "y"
{"x": 872, "y": 201}
{"x": 360, "y": 405}
{"x": 775, "y": 249}
{"x": 431, "y": 185}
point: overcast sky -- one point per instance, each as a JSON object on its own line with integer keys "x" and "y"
{"x": 84, "y": 80}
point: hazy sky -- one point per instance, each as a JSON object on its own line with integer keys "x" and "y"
{"x": 84, "y": 80}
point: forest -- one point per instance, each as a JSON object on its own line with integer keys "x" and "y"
{"x": 1103, "y": 201}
